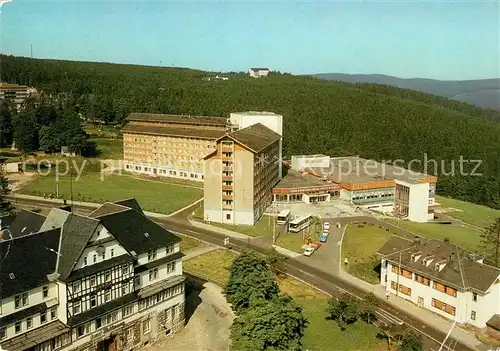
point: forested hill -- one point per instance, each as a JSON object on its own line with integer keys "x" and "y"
{"x": 334, "y": 118}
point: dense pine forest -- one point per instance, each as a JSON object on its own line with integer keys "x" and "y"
{"x": 373, "y": 121}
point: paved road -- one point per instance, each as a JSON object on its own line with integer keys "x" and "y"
{"x": 317, "y": 276}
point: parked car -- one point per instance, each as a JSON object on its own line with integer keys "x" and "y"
{"x": 308, "y": 251}
{"x": 315, "y": 245}
{"x": 326, "y": 226}
{"x": 324, "y": 237}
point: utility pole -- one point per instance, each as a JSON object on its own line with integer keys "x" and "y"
{"x": 399, "y": 273}
{"x": 71, "y": 186}
{"x": 31, "y": 50}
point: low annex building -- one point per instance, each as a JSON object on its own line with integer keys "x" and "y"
{"x": 443, "y": 278}
{"x": 373, "y": 185}
{"x": 108, "y": 281}
{"x": 303, "y": 187}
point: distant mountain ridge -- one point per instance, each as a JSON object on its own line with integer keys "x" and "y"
{"x": 481, "y": 92}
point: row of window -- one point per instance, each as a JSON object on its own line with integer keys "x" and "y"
{"x": 103, "y": 256}
{"x": 102, "y": 278}
{"x": 22, "y": 300}
{"x": 165, "y": 172}
{"x": 27, "y": 324}
{"x": 161, "y": 296}
{"x": 186, "y": 143}
{"x": 426, "y": 281}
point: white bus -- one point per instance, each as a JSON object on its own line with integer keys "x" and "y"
{"x": 283, "y": 217}
{"x": 300, "y": 223}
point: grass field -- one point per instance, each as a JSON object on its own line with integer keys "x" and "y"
{"x": 212, "y": 265}
{"x": 263, "y": 227}
{"x": 152, "y": 196}
{"x": 189, "y": 243}
{"x": 295, "y": 241}
{"x": 477, "y": 215}
{"x": 360, "y": 244}
{"x": 466, "y": 237}
{"x": 108, "y": 148}
{"x": 321, "y": 334}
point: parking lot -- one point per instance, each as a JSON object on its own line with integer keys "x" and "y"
{"x": 333, "y": 209}
{"x": 327, "y": 256}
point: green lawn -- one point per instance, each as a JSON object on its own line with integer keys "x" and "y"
{"x": 295, "y": 241}
{"x": 189, "y": 243}
{"x": 321, "y": 334}
{"x": 213, "y": 265}
{"x": 152, "y": 196}
{"x": 263, "y": 227}
{"x": 109, "y": 149}
{"x": 466, "y": 237}
{"x": 478, "y": 215}
{"x": 360, "y": 244}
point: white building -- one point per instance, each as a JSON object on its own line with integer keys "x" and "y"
{"x": 442, "y": 278}
{"x": 258, "y": 72}
{"x": 273, "y": 121}
{"x": 374, "y": 185}
{"x": 109, "y": 281}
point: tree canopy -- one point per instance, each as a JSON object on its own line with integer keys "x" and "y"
{"x": 372, "y": 121}
{"x": 273, "y": 325}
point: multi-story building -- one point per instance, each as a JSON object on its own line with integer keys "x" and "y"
{"x": 108, "y": 281}
{"x": 442, "y": 278}
{"x": 374, "y": 185}
{"x": 170, "y": 145}
{"x": 240, "y": 174}
{"x": 258, "y": 72}
{"x": 175, "y": 145}
{"x": 16, "y": 93}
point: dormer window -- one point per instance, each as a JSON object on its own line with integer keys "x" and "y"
{"x": 436, "y": 266}
{"x": 152, "y": 255}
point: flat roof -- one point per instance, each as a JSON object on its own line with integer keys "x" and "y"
{"x": 172, "y": 131}
{"x": 178, "y": 119}
{"x": 297, "y": 181}
{"x": 363, "y": 173}
{"x": 256, "y": 113}
{"x": 12, "y": 86}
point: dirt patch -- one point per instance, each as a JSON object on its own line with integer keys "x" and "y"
{"x": 18, "y": 180}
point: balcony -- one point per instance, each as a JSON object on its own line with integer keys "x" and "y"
{"x": 227, "y": 187}
{"x": 227, "y": 158}
{"x": 227, "y": 148}
{"x": 227, "y": 177}
{"x": 227, "y": 197}
{"x": 227, "y": 168}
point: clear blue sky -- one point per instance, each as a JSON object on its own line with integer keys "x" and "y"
{"x": 434, "y": 39}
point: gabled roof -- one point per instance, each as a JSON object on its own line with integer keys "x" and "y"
{"x": 130, "y": 227}
{"x": 463, "y": 269}
{"x": 55, "y": 219}
{"x": 107, "y": 208}
{"x": 27, "y": 261}
{"x": 256, "y": 137}
{"x": 117, "y": 206}
{"x": 76, "y": 232}
{"x": 130, "y": 203}
{"x": 26, "y": 222}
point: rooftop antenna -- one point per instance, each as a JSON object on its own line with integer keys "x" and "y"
{"x": 31, "y": 50}
{"x": 71, "y": 186}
